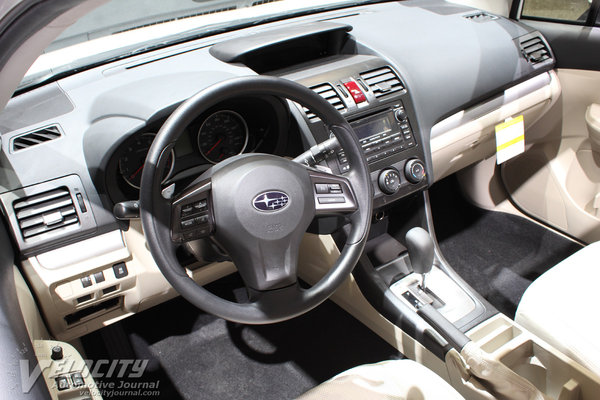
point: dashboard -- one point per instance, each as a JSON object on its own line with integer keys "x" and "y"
{"x": 408, "y": 89}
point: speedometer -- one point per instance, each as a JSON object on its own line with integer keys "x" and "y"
{"x": 222, "y": 135}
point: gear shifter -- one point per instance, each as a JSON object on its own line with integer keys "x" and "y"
{"x": 420, "y": 252}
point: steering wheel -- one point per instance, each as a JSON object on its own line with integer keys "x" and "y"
{"x": 257, "y": 207}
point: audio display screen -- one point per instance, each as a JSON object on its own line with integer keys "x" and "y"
{"x": 372, "y": 127}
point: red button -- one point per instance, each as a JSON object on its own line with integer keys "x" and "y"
{"x": 355, "y": 91}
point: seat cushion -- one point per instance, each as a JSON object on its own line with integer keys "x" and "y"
{"x": 397, "y": 379}
{"x": 561, "y": 307}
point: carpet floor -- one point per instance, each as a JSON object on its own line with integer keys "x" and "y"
{"x": 197, "y": 356}
{"x": 498, "y": 254}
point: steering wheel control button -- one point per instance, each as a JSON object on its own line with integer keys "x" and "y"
{"x": 328, "y": 188}
{"x": 120, "y": 270}
{"x": 77, "y": 379}
{"x": 331, "y": 199}
{"x": 389, "y": 181}
{"x": 56, "y": 353}
{"x": 271, "y": 201}
{"x": 200, "y": 205}
{"x": 188, "y": 223}
{"x": 321, "y": 188}
{"x": 414, "y": 170}
{"x": 355, "y": 91}
{"x": 202, "y": 219}
{"x": 335, "y": 188}
{"x": 86, "y": 281}
{"x": 99, "y": 277}
{"x": 196, "y": 234}
{"x": 193, "y": 209}
{"x": 62, "y": 383}
{"x": 187, "y": 210}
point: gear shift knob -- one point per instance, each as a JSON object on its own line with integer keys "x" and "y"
{"x": 420, "y": 251}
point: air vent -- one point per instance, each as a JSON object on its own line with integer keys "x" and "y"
{"x": 534, "y": 49}
{"x": 36, "y": 137}
{"x": 45, "y": 212}
{"x": 328, "y": 93}
{"x": 480, "y": 16}
{"x": 382, "y": 81}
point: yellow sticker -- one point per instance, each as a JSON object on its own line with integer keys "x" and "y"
{"x": 510, "y": 139}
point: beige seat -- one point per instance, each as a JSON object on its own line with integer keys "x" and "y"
{"x": 398, "y": 379}
{"x": 561, "y": 307}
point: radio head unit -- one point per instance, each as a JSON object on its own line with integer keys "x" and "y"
{"x": 381, "y": 135}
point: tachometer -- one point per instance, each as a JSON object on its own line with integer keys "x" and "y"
{"x": 131, "y": 163}
{"x": 222, "y": 135}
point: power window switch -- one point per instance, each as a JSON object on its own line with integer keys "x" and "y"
{"x": 120, "y": 270}
{"x": 62, "y": 383}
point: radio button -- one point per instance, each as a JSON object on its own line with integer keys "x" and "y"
{"x": 400, "y": 115}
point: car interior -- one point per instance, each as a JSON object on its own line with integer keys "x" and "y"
{"x": 286, "y": 199}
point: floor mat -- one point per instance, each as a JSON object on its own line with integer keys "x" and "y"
{"x": 198, "y": 356}
{"x": 498, "y": 254}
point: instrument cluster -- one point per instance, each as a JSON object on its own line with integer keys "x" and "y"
{"x": 231, "y": 128}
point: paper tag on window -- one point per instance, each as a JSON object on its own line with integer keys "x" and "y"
{"x": 510, "y": 139}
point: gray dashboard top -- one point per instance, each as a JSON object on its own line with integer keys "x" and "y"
{"x": 446, "y": 61}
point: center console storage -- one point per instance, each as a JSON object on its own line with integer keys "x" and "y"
{"x": 553, "y": 373}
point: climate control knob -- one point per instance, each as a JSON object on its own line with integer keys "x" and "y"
{"x": 414, "y": 170}
{"x": 389, "y": 181}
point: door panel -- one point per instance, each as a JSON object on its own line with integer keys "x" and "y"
{"x": 14, "y": 339}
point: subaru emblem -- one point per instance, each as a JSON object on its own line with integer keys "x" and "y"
{"x": 270, "y": 201}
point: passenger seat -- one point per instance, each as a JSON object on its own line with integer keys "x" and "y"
{"x": 561, "y": 307}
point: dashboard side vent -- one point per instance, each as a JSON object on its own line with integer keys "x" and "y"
{"x": 534, "y": 49}
{"x": 382, "y": 81}
{"x": 45, "y": 212}
{"x": 35, "y": 137}
{"x": 326, "y": 91}
{"x": 480, "y": 16}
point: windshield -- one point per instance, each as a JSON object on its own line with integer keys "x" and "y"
{"x": 120, "y": 28}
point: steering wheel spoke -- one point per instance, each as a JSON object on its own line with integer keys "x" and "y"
{"x": 191, "y": 213}
{"x": 333, "y": 193}
{"x": 269, "y": 264}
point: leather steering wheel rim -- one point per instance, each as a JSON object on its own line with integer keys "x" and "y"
{"x": 280, "y": 303}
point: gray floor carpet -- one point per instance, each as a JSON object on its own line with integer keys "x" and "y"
{"x": 498, "y": 254}
{"x": 197, "y": 356}
{"x": 206, "y": 364}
